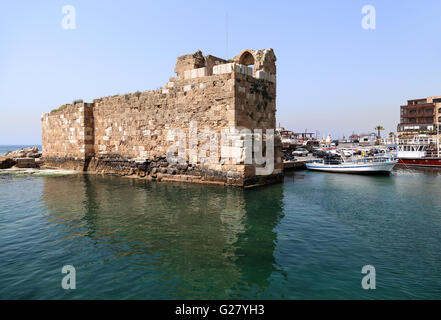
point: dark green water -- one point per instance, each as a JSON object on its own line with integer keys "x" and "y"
{"x": 304, "y": 239}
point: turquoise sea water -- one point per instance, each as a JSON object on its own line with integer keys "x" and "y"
{"x": 306, "y": 238}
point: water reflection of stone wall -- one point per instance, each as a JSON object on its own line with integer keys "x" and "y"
{"x": 200, "y": 241}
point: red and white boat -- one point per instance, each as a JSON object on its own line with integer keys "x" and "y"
{"x": 421, "y": 151}
{"x": 289, "y": 140}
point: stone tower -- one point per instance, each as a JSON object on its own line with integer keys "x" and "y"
{"x": 133, "y": 134}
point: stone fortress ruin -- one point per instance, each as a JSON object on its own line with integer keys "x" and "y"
{"x": 132, "y": 134}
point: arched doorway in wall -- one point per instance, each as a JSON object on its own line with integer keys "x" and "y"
{"x": 247, "y": 59}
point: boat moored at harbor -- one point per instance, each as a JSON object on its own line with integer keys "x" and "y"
{"x": 421, "y": 151}
{"x": 368, "y": 165}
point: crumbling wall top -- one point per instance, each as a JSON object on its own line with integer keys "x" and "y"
{"x": 262, "y": 64}
{"x": 263, "y": 59}
{"x": 189, "y": 62}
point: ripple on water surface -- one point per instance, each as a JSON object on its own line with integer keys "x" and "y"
{"x": 306, "y": 238}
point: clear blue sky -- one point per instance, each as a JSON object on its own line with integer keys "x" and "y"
{"x": 333, "y": 76}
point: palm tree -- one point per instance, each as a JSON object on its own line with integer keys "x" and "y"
{"x": 379, "y": 128}
{"x": 391, "y": 134}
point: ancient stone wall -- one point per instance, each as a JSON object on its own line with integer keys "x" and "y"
{"x": 255, "y": 107}
{"x": 67, "y": 139}
{"x": 136, "y": 125}
{"x": 131, "y": 134}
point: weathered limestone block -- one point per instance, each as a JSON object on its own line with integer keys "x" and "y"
{"x": 25, "y": 163}
{"x": 265, "y": 76}
{"x": 240, "y": 68}
{"x": 195, "y": 73}
{"x": 224, "y": 68}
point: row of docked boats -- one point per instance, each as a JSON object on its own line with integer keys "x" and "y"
{"x": 420, "y": 151}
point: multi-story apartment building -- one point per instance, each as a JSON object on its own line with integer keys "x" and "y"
{"x": 420, "y": 115}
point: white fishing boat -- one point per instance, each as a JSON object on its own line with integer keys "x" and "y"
{"x": 421, "y": 151}
{"x": 369, "y": 165}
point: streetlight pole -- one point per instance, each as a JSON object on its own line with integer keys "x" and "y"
{"x": 437, "y": 138}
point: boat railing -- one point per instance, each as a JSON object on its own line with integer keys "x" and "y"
{"x": 325, "y": 161}
{"x": 417, "y": 141}
{"x": 388, "y": 158}
{"x": 433, "y": 154}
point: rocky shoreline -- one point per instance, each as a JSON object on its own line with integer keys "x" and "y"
{"x": 22, "y": 158}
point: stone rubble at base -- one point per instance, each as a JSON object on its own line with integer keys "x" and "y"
{"x": 22, "y": 158}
